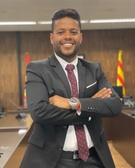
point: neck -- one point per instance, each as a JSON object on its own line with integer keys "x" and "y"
{"x": 70, "y": 59}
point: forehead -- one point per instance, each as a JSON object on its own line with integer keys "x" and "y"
{"x": 66, "y": 23}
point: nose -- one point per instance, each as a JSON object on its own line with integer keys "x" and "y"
{"x": 67, "y": 35}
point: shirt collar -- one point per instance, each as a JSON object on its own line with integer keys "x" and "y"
{"x": 64, "y": 63}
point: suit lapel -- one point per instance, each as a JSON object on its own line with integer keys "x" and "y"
{"x": 60, "y": 72}
{"x": 81, "y": 78}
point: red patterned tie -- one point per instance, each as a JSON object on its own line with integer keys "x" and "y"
{"x": 79, "y": 129}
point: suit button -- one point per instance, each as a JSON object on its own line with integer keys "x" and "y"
{"x": 65, "y": 127}
{"x": 60, "y": 148}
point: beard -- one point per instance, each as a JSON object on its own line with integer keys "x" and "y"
{"x": 67, "y": 54}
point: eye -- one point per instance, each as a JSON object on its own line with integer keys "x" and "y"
{"x": 60, "y": 32}
{"x": 74, "y": 32}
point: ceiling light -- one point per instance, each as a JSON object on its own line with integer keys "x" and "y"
{"x": 45, "y": 22}
{"x": 17, "y": 23}
{"x": 112, "y": 20}
{"x": 84, "y": 21}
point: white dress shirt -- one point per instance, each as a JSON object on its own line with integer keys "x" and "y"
{"x": 70, "y": 140}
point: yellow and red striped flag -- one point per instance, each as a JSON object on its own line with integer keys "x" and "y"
{"x": 27, "y": 60}
{"x": 120, "y": 73}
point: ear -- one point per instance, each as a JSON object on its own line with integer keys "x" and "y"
{"x": 51, "y": 38}
{"x": 81, "y": 38}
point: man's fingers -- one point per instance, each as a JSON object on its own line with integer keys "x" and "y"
{"x": 108, "y": 94}
{"x": 103, "y": 93}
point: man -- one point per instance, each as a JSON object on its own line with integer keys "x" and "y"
{"x": 60, "y": 101}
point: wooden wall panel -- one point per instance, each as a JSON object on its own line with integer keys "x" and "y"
{"x": 8, "y": 70}
{"x": 98, "y": 45}
{"x": 37, "y": 44}
{"x": 104, "y": 45}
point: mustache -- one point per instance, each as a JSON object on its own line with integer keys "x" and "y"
{"x": 67, "y": 42}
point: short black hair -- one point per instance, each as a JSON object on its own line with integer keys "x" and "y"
{"x": 71, "y": 13}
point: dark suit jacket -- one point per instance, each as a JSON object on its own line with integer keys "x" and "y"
{"x": 46, "y": 78}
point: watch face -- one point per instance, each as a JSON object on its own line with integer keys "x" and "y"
{"x": 74, "y": 100}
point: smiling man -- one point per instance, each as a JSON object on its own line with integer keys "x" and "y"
{"x": 67, "y": 98}
{"x": 66, "y": 38}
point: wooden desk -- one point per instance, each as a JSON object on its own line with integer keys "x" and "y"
{"x": 121, "y": 131}
{"x": 12, "y": 131}
{"x": 124, "y": 135}
{"x": 11, "y": 122}
{"x": 18, "y": 153}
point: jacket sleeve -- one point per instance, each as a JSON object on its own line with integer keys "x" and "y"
{"x": 38, "y": 99}
{"x": 102, "y": 107}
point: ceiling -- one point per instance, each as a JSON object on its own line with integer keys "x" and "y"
{"x": 42, "y": 10}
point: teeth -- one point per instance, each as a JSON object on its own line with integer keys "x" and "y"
{"x": 67, "y": 44}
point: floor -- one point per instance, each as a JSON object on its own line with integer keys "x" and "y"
{"x": 119, "y": 161}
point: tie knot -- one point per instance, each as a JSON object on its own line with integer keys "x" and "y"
{"x": 70, "y": 67}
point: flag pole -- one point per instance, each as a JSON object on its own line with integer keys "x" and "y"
{"x": 27, "y": 61}
{"x": 120, "y": 73}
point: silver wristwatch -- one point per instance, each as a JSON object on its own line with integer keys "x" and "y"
{"x": 73, "y": 102}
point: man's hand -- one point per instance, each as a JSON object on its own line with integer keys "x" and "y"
{"x": 59, "y": 101}
{"x": 103, "y": 93}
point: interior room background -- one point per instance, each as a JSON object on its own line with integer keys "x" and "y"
{"x": 98, "y": 45}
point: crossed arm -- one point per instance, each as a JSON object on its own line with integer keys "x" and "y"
{"x": 62, "y": 102}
